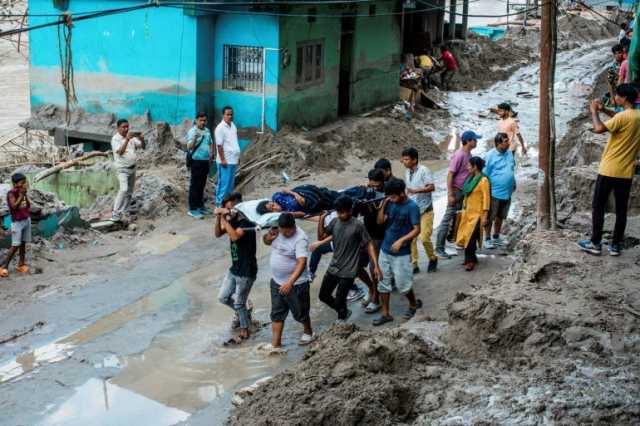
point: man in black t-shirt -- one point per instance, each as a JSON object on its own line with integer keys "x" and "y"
{"x": 244, "y": 266}
{"x": 376, "y": 232}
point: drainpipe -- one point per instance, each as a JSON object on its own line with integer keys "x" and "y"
{"x": 264, "y": 85}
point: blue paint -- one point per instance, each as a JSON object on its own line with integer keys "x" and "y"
{"x": 491, "y": 32}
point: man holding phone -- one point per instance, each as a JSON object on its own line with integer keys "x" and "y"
{"x": 124, "y": 145}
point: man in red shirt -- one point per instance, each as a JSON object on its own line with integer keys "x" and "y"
{"x": 449, "y": 66}
{"x": 20, "y": 209}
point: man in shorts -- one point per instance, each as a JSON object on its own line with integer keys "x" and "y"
{"x": 500, "y": 169}
{"x": 20, "y": 210}
{"x": 290, "y": 282}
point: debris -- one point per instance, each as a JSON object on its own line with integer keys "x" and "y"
{"x": 68, "y": 164}
{"x": 21, "y": 333}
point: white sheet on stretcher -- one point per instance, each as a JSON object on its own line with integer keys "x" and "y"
{"x": 248, "y": 209}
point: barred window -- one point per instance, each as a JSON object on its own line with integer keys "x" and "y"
{"x": 309, "y": 63}
{"x": 242, "y": 68}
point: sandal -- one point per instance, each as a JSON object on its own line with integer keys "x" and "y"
{"x": 411, "y": 312}
{"x": 23, "y": 269}
{"x": 382, "y": 320}
{"x": 372, "y": 308}
{"x": 4, "y": 273}
{"x": 234, "y": 341}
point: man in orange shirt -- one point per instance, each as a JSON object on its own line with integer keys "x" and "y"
{"x": 617, "y": 167}
{"x": 509, "y": 125}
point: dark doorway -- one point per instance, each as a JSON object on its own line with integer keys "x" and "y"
{"x": 346, "y": 58}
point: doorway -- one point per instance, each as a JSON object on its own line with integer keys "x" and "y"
{"x": 348, "y": 26}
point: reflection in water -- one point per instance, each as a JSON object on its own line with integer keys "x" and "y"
{"x": 29, "y": 361}
{"x": 99, "y": 402}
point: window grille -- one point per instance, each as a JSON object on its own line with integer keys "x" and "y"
{"x": 309, "y": 63}
{"x": 242, "y": 68}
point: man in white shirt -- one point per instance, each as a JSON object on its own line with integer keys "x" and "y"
{"x": 290, "y": 282}
{"x": 228, "y": 151}
{"x": 124, "y": 144}
{"x": 420, "y": 186}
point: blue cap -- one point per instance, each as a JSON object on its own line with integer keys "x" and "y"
{"x": 470, "y": 135}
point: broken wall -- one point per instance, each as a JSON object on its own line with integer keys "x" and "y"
{"x": 125, "y": 63}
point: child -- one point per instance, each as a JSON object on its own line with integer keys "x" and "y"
{"x": 20, "y": 209}
{"x": 401, "y": 218}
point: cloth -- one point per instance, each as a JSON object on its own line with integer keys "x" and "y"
{"x": 128, "y": 159}
{"x": 447, "y": 220}
{"x": 470, "y": 184}
{"x": 471, "y": 248}
{"x": 458, "y": 166}
{"x": 619, "y": 156}
{"x": 623, "y": 74}
{"x": 499, "y": 209}
{"x": 298, "y": 301}
{"x": 316, "y": 199}
{"x": 199, "y": 175}
{"x": 348, "y": 240}
{"x": 511, "y": 128}
{"x": 478, "y": 202}
{"x": 227, "y": 137}
{"x": 621, "y": 189}
{"x": 449, "y": 61}
{"x": 225, "y": 181}
{"x": 425, "y": 61}
{"x": 21, "y": 212}
{"x": 370, "y": 219}
{"x": 395, "y": 269}
{"x": 285, "y": 252}
{"x": 234, "y": 293}
{"x": 426, "y": 229}
{"x": 613, "y": 72}
{"x": 339, "y": 304}
{"x": 243, "y": 251}
{"x": 401, "y": 218}
{"x": 500, "y": 169}
{"x": 316, "y": 255}
{"x": 20, "y": 232}
{"x": 127, "y": 181}
{"x": 196, "y": 135}
{"x": 418, "y": 179}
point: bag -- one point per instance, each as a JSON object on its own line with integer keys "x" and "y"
{"x": 189, "y": 159}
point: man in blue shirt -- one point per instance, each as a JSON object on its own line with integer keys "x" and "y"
{"x": 500, "y": 169}
{"x": 401, "y": 217}
{"x": 200, "y": 145}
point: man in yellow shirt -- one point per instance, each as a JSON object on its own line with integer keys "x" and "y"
{"x": 617, "y": 167}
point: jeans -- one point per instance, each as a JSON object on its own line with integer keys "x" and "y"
{"x": 447, "y": 220}
{"x": 127, "y": 181}
{"x": 339, "y": 303}
{"x": 621, "y": 189}
{"x": 426, "y": 229}
{"x": 199, "y": 174}
{"x": 472, "y": 247}
{"x": 225, "y": 181}
{"x": 234, "y": 293}
{"x": 316, "y": 255}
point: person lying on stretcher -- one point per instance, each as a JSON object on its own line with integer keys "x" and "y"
{"x": 309, "y": 200}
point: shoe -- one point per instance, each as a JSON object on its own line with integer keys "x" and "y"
{"x": 306, "y": 339}
{"x": 411, "y": 312}
{"x": 195, "y": 214}
{"x": 116, "y": 219}
{"x": 614, "y": 249}
{"x": 459, "y": 247}
{"x": 354, "y": 295}
{"x": 382, "y": 320}
{"x": 269, "y": 349}
{"x": 372, "y": 308}
{"x": 416, "y": 270}
{"x": 433, "y": 265}
{"x": 489, "y": 244}
{"x": 4, "y": 273}
{"x": 589, "y": 247}
{"x": 345, "y": 319}
{"x": 499, "y": 242}
{"x": 205, "y": 211}
{"x": 22, "y": 269}
{"x": 469, "y": 266}
{"x": 443, "y": 254}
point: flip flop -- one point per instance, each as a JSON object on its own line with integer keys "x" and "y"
{"x": 411, "y": 312}
{"x": 4, "y": 273}
{"x": 372, "y": 308}
{"x": 234, "y": 341}
{"x": 382, "y": 320}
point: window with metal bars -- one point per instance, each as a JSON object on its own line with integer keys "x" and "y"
{"x": 242, "y": 68}
{"x": 310, "y": 63}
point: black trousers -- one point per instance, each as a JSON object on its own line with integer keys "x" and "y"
{"x": 339, "y": 303}
{"x": 472, "y": 247}
{"x": 199, "y": 175}
{"x": 621, "y": 188}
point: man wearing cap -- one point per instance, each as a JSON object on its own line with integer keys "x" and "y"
{"x": 509, "y": 125}
{"x": 458, "y": 172}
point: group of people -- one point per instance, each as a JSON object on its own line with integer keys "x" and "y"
{"x": 375, "y": 240}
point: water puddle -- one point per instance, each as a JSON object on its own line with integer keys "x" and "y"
{"x": 100, "y": 402}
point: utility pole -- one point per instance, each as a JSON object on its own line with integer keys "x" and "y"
{"x": 452, "y": 19}
{"x": 546, "y": 141}
{"x": 465, "y": 18}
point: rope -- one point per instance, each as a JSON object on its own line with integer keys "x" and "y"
{"x": 66, "y": 65}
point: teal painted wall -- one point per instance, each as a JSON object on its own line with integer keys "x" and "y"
{"x": 124, "y": 64}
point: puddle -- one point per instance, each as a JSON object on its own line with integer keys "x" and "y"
{"x": 29, "y": 361}
{"x": 100, "y": 402}
{"x": 161, "y": 244}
